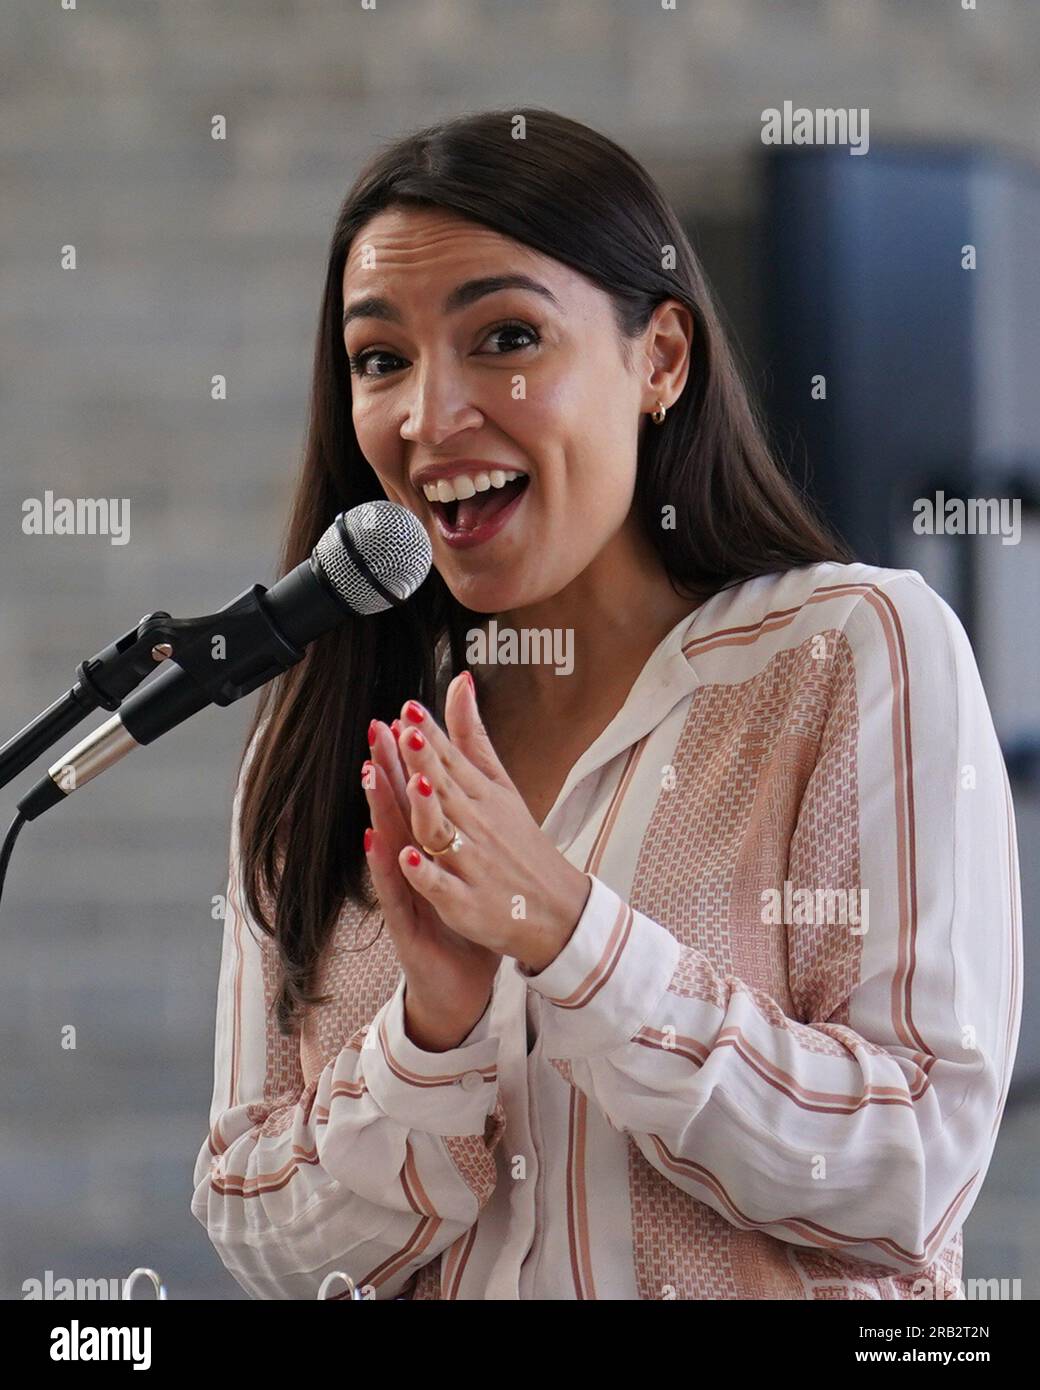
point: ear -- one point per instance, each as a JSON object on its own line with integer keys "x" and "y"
{"x": 466, "y": 729}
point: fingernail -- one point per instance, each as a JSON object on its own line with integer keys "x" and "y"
{"x": 372, "y": 733}
{"x": 368, "y": 839}
{"x": 395, "y": 728}
{"x": 416, "y": 740}
{"x": 414, "y": 712}
{"x": 423, "y": 787}
{"x": 472, "y": 687}
{"x": 365, "y": 767}
{"x": 414, "y": 858}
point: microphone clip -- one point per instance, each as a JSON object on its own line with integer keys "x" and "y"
{"x": 228, "y": 654}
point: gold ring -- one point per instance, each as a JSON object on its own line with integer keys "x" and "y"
{"x": 455, "y": 844}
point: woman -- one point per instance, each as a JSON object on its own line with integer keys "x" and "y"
{"x": 692, "y": 971}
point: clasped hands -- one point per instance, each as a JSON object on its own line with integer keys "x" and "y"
{"x": 455, "y": 778}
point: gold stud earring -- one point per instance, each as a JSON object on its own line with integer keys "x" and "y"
{"x": 658, "y": 415}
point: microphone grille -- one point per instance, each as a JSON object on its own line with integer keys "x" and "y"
{"x": 376, "y": 545}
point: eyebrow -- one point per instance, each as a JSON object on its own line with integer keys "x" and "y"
{"x": 373, "y": 307}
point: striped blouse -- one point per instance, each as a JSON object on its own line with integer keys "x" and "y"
{"x": 770, "y": 1061}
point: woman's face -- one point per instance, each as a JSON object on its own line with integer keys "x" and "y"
{"x": 515, "y": 378}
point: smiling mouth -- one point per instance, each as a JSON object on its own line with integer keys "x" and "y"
{"x": 478, "y": 510}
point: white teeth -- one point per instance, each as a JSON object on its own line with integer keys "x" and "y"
{"x": 465, "y": 485}
{"x": 463, "y": 488}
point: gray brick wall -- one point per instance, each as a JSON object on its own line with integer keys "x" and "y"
{"x": 197, "y": 257}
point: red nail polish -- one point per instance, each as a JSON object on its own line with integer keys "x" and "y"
{"x": 414, "y": 858}
{"x": 416, "y": 740}
{"x": 372, "y": 733}
{"x": 368, "y": 839}
{"x": 473, "y": 688}
{"x": 366, "y": 766}
{"x": 395, "y": 728}
{"x": 414, "y": 712}
{"x": 423, "y": 787}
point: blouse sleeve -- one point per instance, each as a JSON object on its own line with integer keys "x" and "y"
{"x": 865, "y": 1125}
{"x": 372, "y": 1168}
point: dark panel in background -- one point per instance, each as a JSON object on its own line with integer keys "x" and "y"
{"x": 933, "y": 386}
{"x": 864, "y": 285}
{"x": 932, "y": 376}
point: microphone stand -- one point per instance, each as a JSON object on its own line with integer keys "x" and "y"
{"x": 253, "y": 650}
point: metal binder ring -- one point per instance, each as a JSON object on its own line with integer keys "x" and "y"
{"x": 355, "y": 1293}
{"x": 131, "y": 1279}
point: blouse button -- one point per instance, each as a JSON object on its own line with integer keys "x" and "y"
{"x": 471, "y": 1081}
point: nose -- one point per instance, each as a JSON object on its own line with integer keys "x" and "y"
{"x": 439, "y": 406}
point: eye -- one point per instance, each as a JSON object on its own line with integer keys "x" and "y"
{"x": 514, "y": 327}
{"x": 359, "y": 363}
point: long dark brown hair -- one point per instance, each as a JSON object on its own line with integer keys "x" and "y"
{"x": 572, "y": 194}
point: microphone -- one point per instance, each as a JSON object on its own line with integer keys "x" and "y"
{"x": 371, "y": 558}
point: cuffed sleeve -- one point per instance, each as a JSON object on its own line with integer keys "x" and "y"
{"x": 866, "y": 1123}
{"x": 607, "y": 980}
{"x": 449, "y": 1092}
